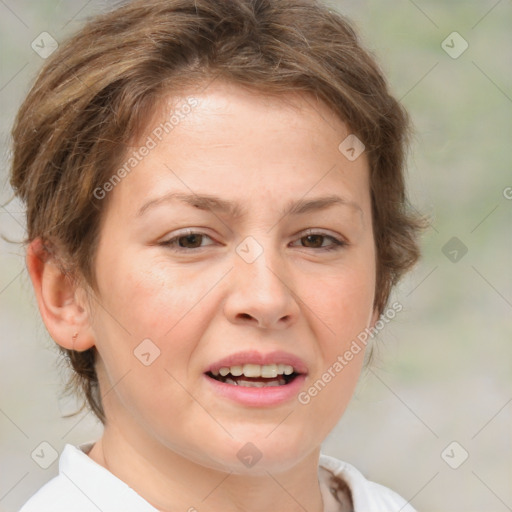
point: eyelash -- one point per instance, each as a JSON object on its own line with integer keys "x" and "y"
{"x": 337, "y": 243}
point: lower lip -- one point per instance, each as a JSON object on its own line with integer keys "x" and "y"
{"x": 258, "y": 397}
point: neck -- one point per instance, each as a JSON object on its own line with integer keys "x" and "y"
{"x": 170, "y": 481}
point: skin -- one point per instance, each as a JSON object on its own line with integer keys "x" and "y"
{"x": 168, "y": 434}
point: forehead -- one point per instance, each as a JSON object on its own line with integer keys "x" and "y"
{"x": 240, "y": 142}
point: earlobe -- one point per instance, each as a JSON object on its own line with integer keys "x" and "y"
{"x": 58, "y": 298}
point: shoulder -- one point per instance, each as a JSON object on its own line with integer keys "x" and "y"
{"x": 82, "y": 485}
{"x": 367, "y": 496}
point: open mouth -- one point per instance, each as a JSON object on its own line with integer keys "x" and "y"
{"x": 255, "y": 375}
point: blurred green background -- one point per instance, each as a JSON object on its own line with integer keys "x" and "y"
{"x": 443, "y": 371}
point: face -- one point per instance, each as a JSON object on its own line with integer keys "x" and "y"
{"x": 243, "y": 237}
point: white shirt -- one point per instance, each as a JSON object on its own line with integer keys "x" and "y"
{"x": 82, "y": 485}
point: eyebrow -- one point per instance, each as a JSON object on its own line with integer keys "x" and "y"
{"x": 235, "y": 210}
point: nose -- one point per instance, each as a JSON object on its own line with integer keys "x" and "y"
{"x": 261, "y": 293}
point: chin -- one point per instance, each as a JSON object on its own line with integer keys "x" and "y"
{"x": 260, "y": 453}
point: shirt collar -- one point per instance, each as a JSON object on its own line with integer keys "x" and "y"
{"x": 107, "y": 492}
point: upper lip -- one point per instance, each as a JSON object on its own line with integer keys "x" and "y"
{"x": 255, "y": 357}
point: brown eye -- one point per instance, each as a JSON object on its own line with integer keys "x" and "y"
{"x": 313, "y": 241}
{"x": 187, "y": 242}
{"x": 317, "y": 241}
{"x": 190, "y": 241}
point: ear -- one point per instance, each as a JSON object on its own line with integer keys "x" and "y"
{"x": 61, "y": 303}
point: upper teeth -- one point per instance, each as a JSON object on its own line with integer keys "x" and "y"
{"x": 267, "y": 371}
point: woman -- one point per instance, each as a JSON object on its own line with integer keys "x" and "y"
{"x": 216, "y": 216}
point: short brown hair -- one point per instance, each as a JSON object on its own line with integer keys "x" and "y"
{"x": 97, "y": 91}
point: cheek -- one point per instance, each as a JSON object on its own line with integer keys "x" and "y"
{"x": 343, "y": 310}
{"x": 148, "y": 325}
{"x": 348, "y": 309}
{"x": 149, "y": 300}
{"x": 341, "y": 305}
{"x": 342, "y": 300}
{"x": 147, "y": 296}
